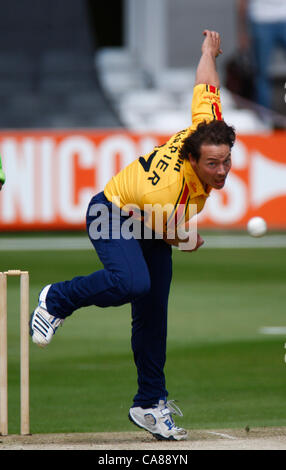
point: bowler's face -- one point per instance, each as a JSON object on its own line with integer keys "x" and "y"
{"x": 213, "y": 165}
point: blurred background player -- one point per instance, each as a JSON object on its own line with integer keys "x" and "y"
{"x": 262, "y": 29}
{"x": 2, "y": 175}
{"x": 139, "y": 271}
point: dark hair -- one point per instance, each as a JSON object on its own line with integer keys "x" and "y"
{"x": 214, "y": 132}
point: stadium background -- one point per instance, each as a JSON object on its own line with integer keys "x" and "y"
{"x": 84, "y": 89}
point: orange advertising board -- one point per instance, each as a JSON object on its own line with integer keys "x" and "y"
{"x": 52, "y": 175}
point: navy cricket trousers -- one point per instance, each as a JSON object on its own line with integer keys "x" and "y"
{"x": 136, "y": 271}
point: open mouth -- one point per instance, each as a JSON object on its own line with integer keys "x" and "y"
{"x": 220, "y": 183}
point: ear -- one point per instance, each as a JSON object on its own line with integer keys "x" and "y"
{"x": 193, "y": 162}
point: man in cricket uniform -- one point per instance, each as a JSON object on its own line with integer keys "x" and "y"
{"x": 2, "y": 175}
{"x": 138, "y": 270}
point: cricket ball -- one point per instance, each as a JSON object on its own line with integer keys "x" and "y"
{"x": 256, "y": 227}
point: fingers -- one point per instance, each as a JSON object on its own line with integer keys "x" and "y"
{"x": 200, "y": 242}
{"x": 216, "y": 38}
{"x": 214, "y": 35}
{"x": 212, "y": 39}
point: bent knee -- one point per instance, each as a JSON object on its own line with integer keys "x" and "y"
{"x": 133, "y": 287}
{"x": 141, "y": 288}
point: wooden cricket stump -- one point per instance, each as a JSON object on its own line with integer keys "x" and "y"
{"x": 24, "y": 352}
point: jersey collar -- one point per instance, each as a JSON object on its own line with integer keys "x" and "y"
{"x": 194, "y": 184}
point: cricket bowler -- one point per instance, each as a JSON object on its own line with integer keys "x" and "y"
{"x": 138, "y": 270}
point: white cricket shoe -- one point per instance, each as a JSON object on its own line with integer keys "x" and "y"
{"x": 43, "y": 325}
{"x": 158, "y": 420}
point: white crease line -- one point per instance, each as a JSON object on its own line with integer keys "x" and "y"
{"x": 52, "y": 243}
{"x": 62, "y": 243}
{"x": 273, "y": 330}
{"x": 221, "y": 434}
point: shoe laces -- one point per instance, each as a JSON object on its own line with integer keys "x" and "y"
{"x": 172, "y": 407}
{"x": 56, "y": 323}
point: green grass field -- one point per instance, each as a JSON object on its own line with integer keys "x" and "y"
{"x": 221, "y": 369}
